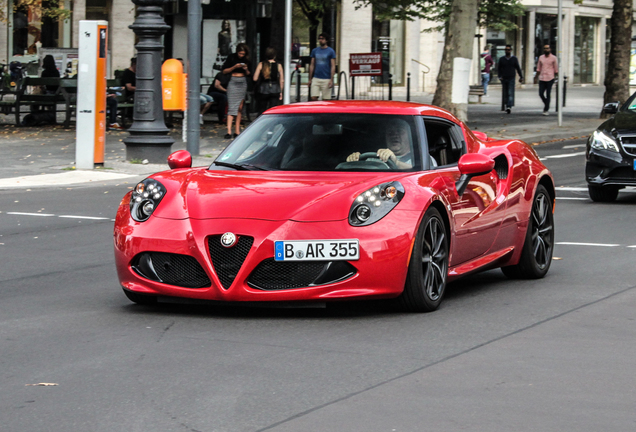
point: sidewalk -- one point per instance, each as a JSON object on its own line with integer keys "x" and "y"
{"x": 50, "y": 151}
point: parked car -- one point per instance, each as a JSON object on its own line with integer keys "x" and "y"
{"x": 338, "y": 200}
{"x": 611, "y": 152}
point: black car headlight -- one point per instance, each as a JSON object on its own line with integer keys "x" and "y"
{"x": 601, "y": 141}
{"x": 145, "y": 198}
{"x": 375, "y": 203}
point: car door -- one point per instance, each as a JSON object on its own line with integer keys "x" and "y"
{"x": 475, "y": 213}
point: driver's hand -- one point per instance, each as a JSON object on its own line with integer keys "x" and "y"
{"x": 353, "y": 157}
{"x": 386, "y": 154}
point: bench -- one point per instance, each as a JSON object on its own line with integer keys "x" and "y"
{"x": 28, "y": 92}
{"x": 476, "y": 90}
{"x": 68, "y": 90}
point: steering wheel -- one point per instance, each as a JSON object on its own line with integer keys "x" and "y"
{"x": 374, "y": 155}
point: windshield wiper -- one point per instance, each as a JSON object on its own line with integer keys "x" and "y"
{"x": 241, "y": 167}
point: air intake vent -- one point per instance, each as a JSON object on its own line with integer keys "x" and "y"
{"x": 172, "y": 269}
{"x": 276, "y": 275}
{"x": 227, "y": 261}
{"x": 501, "y": 167}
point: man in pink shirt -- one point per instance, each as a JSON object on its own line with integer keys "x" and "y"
{"x": 547, "y": 67}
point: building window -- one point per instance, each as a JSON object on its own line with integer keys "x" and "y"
{"x": 585, "y": 49}
{"x": 33, "y": 25}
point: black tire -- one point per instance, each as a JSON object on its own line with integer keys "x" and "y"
{"x": 602, "y": 193}
{"x": 428, "y": 269}
{"x": 142, "y": 299}
{"x": 536, "y": 255}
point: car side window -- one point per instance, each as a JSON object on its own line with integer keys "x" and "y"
{"x": 445, "y": 144}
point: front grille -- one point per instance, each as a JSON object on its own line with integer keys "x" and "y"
{"x": 629, "y": 144}
{"x": 228, "y": 261}
{"x": 277, "y": 275}
{"x": 172, "y": 269}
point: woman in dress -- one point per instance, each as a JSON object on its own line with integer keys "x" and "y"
{"x": 238, "y": 66}
{"x": 269, "y": 77}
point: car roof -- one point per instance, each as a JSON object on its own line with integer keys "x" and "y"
{"x": 363, "y": 107}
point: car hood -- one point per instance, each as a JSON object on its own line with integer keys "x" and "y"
{"x": 623, "y": 122}
{"x": 303, "y": 197}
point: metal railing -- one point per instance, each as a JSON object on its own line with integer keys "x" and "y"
{"x": 428, "y": 70}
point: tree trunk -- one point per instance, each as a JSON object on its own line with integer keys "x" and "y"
{"x": 617, "y": 74}
{"x": 458, "y": 44}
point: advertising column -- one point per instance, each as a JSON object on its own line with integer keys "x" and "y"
{"x": 91, "y": 95}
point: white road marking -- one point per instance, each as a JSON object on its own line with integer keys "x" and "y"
{"x": 588, "y": 244}
{"x": 31, "y": 214}
{"x": 572, "y": 198}
{"x": 571, "y": 189}
{"x": 559, "y": 156}
{"x": 571, "y": 146}
{"x": 629, "y": 189}
{"x": 83, "y": 217}
{"x": 60, "y": 216}
{"x": 633, "y": 246}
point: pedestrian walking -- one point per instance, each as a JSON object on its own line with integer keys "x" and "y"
{"x": 269, "y": 79}
{"x": 485, "y": 62}
{"x": 322, "y": 69}
{"x": 506, "y": 68}
{"x": 238, "y": 66}
{"x": 547, "y": 68}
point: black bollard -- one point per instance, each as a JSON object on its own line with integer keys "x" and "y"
{"x": 408, "y": 87}
{"x": 390, "y": 87}
{"x": 353, "y": 87}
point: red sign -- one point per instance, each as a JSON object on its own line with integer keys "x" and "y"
{"x": 365, "y": 64}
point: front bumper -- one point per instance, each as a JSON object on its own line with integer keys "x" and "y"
{"x": 607, "y": 168}
{"x": 380, "y": 272}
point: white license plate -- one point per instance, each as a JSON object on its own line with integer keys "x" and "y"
{"x": 317, "y": 250}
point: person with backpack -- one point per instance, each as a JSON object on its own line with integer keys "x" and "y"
{"x": 269, "y": 81}
{"x": 485, "y": 63}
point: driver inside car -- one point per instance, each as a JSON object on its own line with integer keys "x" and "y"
{"x": 398, "y": 141}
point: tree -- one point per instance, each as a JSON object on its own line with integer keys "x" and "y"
{"x": 617, "y": 73}
{"x": 459, "y": 19}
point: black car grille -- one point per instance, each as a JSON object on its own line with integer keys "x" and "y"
{"x": 227, "y": 261}
{"x": 172, "y": 269}
{"x": 276, "y": 275}
{"x": 629, "y": 144}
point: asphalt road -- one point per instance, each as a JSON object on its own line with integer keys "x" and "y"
{"x": 499, "y": 355}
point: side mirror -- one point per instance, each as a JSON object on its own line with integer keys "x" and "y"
{"x": 180, "y": 159}
{"x": 611, "y": 108}
{"x": 472, "y": 165}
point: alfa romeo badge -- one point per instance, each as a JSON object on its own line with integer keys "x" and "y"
{"x": 228, "y": 239}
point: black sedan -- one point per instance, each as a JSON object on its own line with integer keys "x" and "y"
{"x": 611, "y": 152}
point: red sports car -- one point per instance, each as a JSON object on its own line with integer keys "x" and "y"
{"x": 331, "y": 201}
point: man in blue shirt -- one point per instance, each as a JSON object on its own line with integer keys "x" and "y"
{"x": 321, "y": 69}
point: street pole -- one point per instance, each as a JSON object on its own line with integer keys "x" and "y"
{"x": 288, "y": 41}
{"x": 149, "y": 137}
{"x": 560, "y": 78}
{"x": 194, "y": 76}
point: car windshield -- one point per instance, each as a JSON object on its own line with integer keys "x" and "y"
{"x": 325, "y": 142}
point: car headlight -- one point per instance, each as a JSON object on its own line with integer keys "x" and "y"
{"x": 145, "y": 198}
{"x": 601, "y": 141}
{"x": 375, "y": 203}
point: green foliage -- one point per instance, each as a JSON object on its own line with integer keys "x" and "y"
{"x": 496, "y": 14}
{"x": 49, "y": 8}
